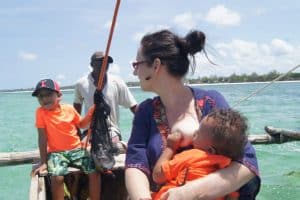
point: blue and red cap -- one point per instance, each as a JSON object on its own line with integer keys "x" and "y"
{"x": 46, "y": 84}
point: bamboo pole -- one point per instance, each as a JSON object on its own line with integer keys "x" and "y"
{"x": 274, "y": 135}
{"x": 15, "y": 158}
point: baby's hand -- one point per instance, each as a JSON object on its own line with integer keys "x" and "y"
{"x": 174, "y": 140}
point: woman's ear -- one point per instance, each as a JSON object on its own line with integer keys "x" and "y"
{"x": 156, "y": 63}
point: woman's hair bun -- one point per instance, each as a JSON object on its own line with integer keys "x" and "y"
{"x": 195, "y": 41}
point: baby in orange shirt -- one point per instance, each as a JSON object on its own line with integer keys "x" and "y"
{"x": 59, "y": 143}
{"x": 220, "y": 139}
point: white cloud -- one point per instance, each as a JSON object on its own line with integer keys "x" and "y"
{"x": 242, "y": 56}
{"x": 114, "y": 69}
{"x": 281, "y": 47}
{"x": 138, "y": 35}
{"x": 220, "y": 15}
{"x": 28, "y": 56}
{"x": 185, "y": 20}
{"x": 260, "y": 11}
{"x": 108, "y": 24}
{"x": 60, "y": 77}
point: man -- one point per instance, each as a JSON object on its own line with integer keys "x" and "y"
{"x": 115, "y": 92}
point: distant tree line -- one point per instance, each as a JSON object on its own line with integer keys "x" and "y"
{"x": 254, "y": 77}
{"x": 234, "y": 78}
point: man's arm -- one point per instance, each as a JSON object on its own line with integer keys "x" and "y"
{"x": 134, "y": 108}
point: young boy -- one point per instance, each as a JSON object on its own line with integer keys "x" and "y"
{"x": 220, "y": 139}
{"x": 59, "y": 144}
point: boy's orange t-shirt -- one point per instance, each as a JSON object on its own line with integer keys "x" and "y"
{"x": 61, "y": 127}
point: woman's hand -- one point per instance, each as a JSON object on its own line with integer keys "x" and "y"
{"x": 174, "y": 194}
{"x": 214, "y": 185}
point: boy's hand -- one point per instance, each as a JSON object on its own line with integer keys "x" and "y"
{"x": 174, "y": 140}
{"x": 42, "y": 170}
{"x": 91, "y": 111}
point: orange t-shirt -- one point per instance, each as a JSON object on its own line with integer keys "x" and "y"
{"x": 60, "y": 125}
{"x": 190, "y": 165}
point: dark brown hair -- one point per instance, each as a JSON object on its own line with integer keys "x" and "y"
{"x": 173, "y": 50}
{"x": 229, "y": 135}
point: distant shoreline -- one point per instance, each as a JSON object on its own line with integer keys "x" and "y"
{"x": 134, "y": 87}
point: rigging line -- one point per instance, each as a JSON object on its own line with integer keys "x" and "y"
{"x": 104, "y": 63}
{"x": 265, "y": 86}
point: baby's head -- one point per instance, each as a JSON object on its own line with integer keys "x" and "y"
{"x": 222, "y": 132}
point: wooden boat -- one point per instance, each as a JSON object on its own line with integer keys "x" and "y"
{"x": 113, "y": 186}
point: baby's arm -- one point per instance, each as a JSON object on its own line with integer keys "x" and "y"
{"x": 173, "y": 142}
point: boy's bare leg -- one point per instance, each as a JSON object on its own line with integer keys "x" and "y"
{"x": 95, "y": 186}
{"x": 57, "y": 187}
{"x": 74, "y": 185}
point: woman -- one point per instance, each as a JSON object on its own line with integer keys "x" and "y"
{"x": 162, "y": 62}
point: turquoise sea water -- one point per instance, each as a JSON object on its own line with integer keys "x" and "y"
{"x": 277, "y": 106}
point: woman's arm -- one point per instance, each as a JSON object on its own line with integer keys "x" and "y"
{"x": 137, "y": 160}
{"x": 137, "y": 185}
{"x": 214, "y": 185}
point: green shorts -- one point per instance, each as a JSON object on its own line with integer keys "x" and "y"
{"x": 58, "y": 162}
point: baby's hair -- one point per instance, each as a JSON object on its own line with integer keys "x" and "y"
{"x": 229, "y": 136}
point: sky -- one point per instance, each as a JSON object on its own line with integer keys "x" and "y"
{"x": 55, "y": 38}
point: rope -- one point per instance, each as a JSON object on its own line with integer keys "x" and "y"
{"x": 265, "y": 86}
{"x": 104, "y": 65}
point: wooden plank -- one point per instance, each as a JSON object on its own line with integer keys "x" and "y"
{"x": 37, "y": 189}
{"x": 274, "y": 135}
{"x": 41, "y": 189}
{"x": 15, "y": 158}
{"x": 33, "y": 191}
